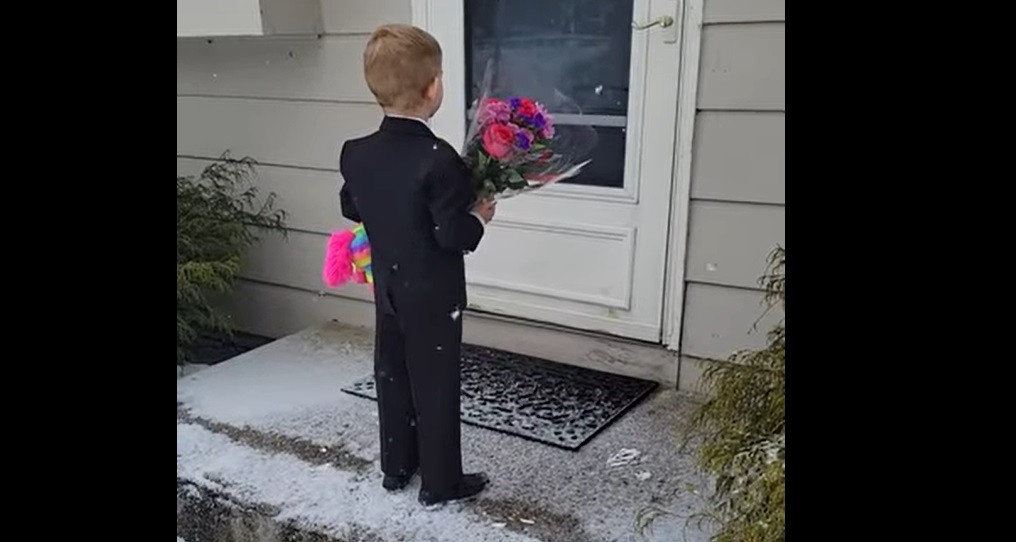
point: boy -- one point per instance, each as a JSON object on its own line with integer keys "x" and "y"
{"x": 414, "y": 195}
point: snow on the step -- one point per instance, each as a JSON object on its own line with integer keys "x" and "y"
{"x": 292, "y": 388}
{"x": 321, "y": 497}
{"x": 289, "y": 387}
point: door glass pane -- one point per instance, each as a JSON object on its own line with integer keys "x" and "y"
{"x": 581, "y": 48}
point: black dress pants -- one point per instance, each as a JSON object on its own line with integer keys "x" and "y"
{"x": 417, "y": 371}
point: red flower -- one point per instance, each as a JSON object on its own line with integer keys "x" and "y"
{"x": 527, "y": 108}
{"x": 498, "y": 140}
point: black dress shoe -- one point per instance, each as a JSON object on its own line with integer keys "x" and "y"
{"x": 397, "y": 483}
{"x": 470, "y": 486}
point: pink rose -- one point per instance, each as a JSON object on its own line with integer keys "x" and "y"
{"x": 493, "y": 110}
{"x": 498, "y": 140}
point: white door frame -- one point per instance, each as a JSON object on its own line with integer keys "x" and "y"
{"x": 689, "y": 28}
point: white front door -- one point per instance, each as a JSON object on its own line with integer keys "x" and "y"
{"x": 590, "y": 253}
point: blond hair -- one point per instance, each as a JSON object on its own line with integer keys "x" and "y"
{"x": 399, "y": 63}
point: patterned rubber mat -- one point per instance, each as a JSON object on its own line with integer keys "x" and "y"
{"x": 551, "y": 403}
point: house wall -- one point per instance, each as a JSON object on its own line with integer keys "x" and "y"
{"x": 738, "y": 189}
{"x": 288, "y": 102}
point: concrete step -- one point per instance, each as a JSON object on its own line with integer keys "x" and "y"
{"x": 205, "y": 514}
{"x": 269, "y": 450}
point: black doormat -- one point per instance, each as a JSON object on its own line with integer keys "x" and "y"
{"x": 551, "y": 403}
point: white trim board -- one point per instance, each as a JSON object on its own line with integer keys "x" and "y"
{"x": 691, "y": 44}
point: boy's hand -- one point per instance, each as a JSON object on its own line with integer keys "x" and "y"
{"x": 485, "y": 209}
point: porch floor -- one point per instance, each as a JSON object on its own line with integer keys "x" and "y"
{"x": 268, "y": 449}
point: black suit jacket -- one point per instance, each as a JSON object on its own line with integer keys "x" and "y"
{"x": 413, "y": 193}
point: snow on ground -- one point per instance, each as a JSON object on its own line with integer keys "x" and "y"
{"x": 291, "y": 388}
{"x": 320, "y": 497}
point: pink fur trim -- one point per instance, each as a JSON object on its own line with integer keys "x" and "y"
{"x": 338, "y": 268}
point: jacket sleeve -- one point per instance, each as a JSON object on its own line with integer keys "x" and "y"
{"x": 451, "y": 196}
{"x": 346, "y": 201}
{"x": 348, "y": 204}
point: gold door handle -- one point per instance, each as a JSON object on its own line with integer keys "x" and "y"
{"x": 663, "y": 22}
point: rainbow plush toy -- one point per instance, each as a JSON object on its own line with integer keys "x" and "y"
{"x": 347, "y": 257}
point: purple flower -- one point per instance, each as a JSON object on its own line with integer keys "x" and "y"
{"x": 546, "y": 126}
{"x": 539, "y": 121}
{"x": 521, "y": 141}
{"x": 523, "y": 137}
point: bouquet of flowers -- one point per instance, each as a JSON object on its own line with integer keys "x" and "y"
{"x": 514, "y": 144}
{"x": 511, "y": 148}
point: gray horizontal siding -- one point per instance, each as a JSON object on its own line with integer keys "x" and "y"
{"x": 287, "y": 102}
{"x": 725, "y": 320}
{"x": 275, "y": 132}
{"x": 740, "y": 157}
{"x": 325, "y": 69}
{"x": 728, "y": 242}
{"x": 310, "y": 196}
{"x": 743, "y": 67}
{"x": 737, "y": 215}
{"x": 363, "y": 16}
{"x": 742, "y": 11}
